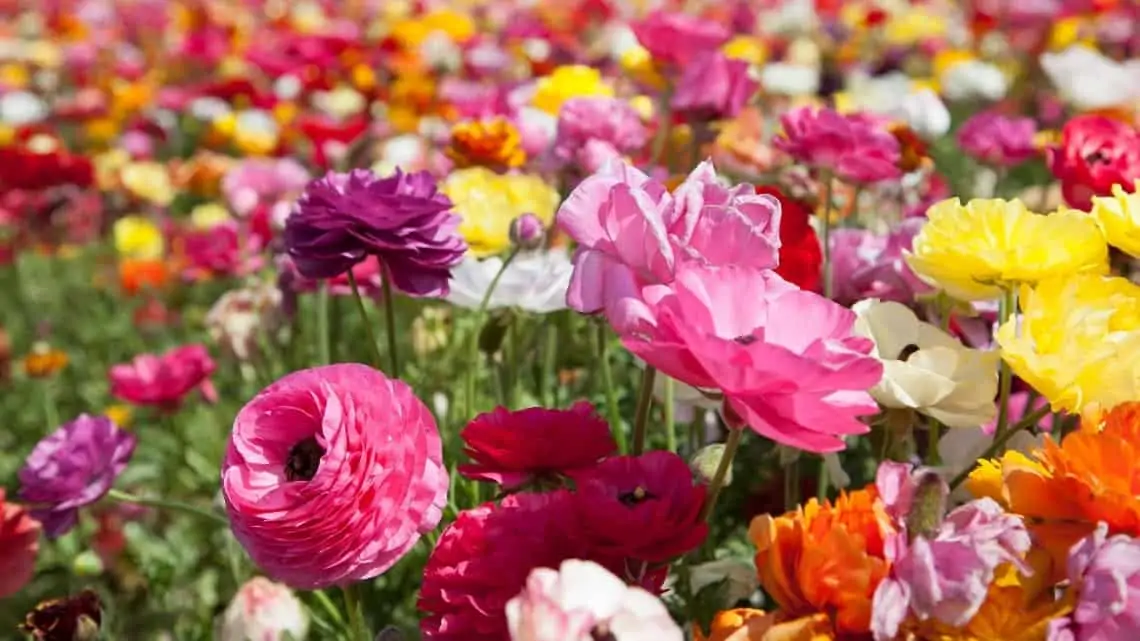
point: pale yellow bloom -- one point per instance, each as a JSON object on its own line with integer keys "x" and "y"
{"x": 138, "y": 238}
{"x": 149, "y": 181}
{"x": 750, "y": 49}
{"x": 566, "y": 82}
{"x": 1119, "y": 218}
{"x": 209, "y": 215}
{"x": 488, "y": 202}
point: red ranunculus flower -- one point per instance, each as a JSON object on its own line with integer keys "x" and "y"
{"x": 1096, "y": 152}
{"x": 801, "y": 256}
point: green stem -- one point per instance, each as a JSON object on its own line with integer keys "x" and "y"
{"x": 1005, "y": 375}
{"x": 612, "y": 409}
{"x": 722, "y": 468}
{"x": 328, "y": 606}
{"x": 390, "y": 321}
{"x": 792, "y": 485}
{"x": 1000, "y": 440}
{"x": 325, "y": 353}
{"x": 670, "y": 421}
{"x": 473, "y": 345}
{"x": 355, "y": 614}
{"x": 934, "y": 435}
{"x": 47, "y": 396}
{"x": 379, "y": 359}
{"x": 644, "y": 403}
{"x": 549, "y": 364}
{"x": 123, "y": 497}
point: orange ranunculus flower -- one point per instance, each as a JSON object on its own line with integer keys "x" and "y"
{"x": 138, "y": 274}
{"x": 202, "y": 173}
{"x": 44, "y": 361}
{"x": 494, "y": 143}
{"x": 754, "y": 625}
{"x": 825, "y": 558}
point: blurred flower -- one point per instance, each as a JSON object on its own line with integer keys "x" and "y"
{"x": 487, "y": 203}
{"x": 1119, "y": 218}
{"x": 712, "y": 87}
{"x": 534, "y": 281}
{"x": 566, "y": 82}
{"x": 402, "y": 220}
{"x": 5, "y": 356}
{"x": 534, "y": 445}
{"x": 148, "y": 181}
{"x": 263, "y": 181}
{"x": 926, "y": 369}
{"x": 924, "y": 112}
{"x": 164, "y": 380}
{"x": 73, "y": 467}
{"x": 19, "y": 546}
{"x": 202, "y": 173}
{"x": 973, "y": 80}
{"x": 801, "y": 256}
{"x": 870, "y": 265}
{"x": 138, "y": 237}
{"x": 218, "y": 251}
{"x": 1096, "y": 153}
{"x": 583, "y": 600}
{"x": 746, "y": 624}
{"x": 1104, "y": 572}
{"x": 495, "y": 144}
{"x": 737, "y": 576}
{"x": 854, "y": 148}
{"x": 264, "y": 611}
{"x": 790, "y": 79}
{"x": 241, "y": 318}
{"x": 334, "y": 446}
{"x": 209, "y": 215}
{"x": 74, "y": 618}
{"x": 999, "y": 140}
{"x": 1088, "y": 80}
{"x": 676, "y": 38}
{"x": 44, "y": 361}
{"x": 136, "y": 275}
{"x": 593, "y": 131}
{"x": 743, "y": 145}
{"x": 974, "y": 250}
{"x": 431, "y": 330}
{"x": 120, "y": 414}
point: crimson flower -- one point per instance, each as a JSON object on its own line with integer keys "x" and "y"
{"x": 801, "y": 255}
{"x": 1096, "y": 152}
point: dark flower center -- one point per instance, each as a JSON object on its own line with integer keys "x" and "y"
{"x": 1096, "y": 157}
{"x": 304, "y": 460}
{"x": 601, "y": 632}
{"x": 638, "y": 495}
{"x": 747, "y": 339}
{"x": 906, "y": 352}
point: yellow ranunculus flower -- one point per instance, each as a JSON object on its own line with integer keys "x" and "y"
{"x": 488, "y": 202}
{"x": 209, "y": 215}
{"x": 138, "y": 238}
{"x": 1119, "y": 218}
{"x": 149, "y": 181}
{"x": 566, "y": 82}
{"x": 1077, "y": 340}
{"x": 972, "y": 251}
{"x": 638, "y": 64}
{"x": 750, "y": 49}
{"x": 912, "y": 26}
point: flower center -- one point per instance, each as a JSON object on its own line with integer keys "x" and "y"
{"x": 638, "y": 495}
{"x": 601, "y": 632}
{"x": 747, "y": 339}
{"x": 906, "y": 352}
{"x": 304, "y": 460}
{"x": 1095, "y": 158}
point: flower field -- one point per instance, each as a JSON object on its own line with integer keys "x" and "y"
{"x": 589, "y": 320}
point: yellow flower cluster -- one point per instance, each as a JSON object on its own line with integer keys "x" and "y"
{"x": 566, "y": 82}
{"x": 488, "y": 202}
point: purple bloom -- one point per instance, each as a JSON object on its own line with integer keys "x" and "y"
{"x": 870, "y": 265}
{"x": 1105, "y": 572}
{"x": 998, "y": 140}
{"x": 713, "y": 87}
{"x": 403, "y": 220}
{"x": 855, "y": 148}
{"x": 592, "y": 131}
{"x": 72, "y": 467}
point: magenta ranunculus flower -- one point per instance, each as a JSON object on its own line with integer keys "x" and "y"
{"x": 534, "y": 444}
{"x": 332, "y": 474}
{"x": 870, "y": 265}
{"x": 786, "y": 361}
{"x": 855, "y": 148}
{"x": 713, "y": 87}
{"x": 73, "y": 467}
{"x": 593, "y": 131}
{"x": 220, "y": 251}
{"x": 676, "y": 38}
{"x": 632, "y": 232}
{"x": 1105, "y": 573}
{"x": 997, "y": 139}
{"x": 164, "y": 380}
{"x": 403, "y": 220}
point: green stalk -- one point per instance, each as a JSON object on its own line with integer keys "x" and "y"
{"x": 612, "y": 409}
{"x": 390, "y": 321}
{"x": 549, "y": 365}
{"x": 378, "y": 358}
{"x": 644, "y": 403}
{"x": 722, "y": 468}
{"x": 997, "y": 446}
{"x": 325, "y": 351}
{"x": 473, "y": 345}
{"x": 1005, "y": 375}
{"x": 356, "y": 623}
{"x": 670, "y": 422}
{"x": 210, "y": 515}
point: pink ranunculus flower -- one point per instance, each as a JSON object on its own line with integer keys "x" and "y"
{"x": 164, "y": 380}
{"x": 997, "y": 139}
{"x": 220, "y": 251}
{"x": 632, "y": 232}
{"x": 676, "y": 38}
{"x": 713, "y": 87}
{"x": 787, "y": 361}
{"x": 855, "y": 148}
{"x": 332, "y": 474}
{"x": 263, "y": 181}
{"x": 1105, "y": 573}
{"x": 870, "y": 265}
{"x": 582, "y": 601}
{"x": 595, "y": 130}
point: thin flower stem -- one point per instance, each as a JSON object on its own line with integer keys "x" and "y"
{"x": 325, "y": 353}
{"x": 123, "y": 497}
{"x": 935, "y": 434}
{"x": 359, "y": 630}
{"x": 1005, "y": 374}
{"x": 612, "y": 408}
{"x": 390, "y": 321}
{"x": 329, "y": 607}
{"x": 670, "y": 421}
{"x": 473, "y": 346}
{"x": 1000, "y": 440}
{"x": 51, "y": 412}
{"x": 644, "y": 403}
{"x": 722, "y": 468}
{"x": 549, "y": 364}
{"x": 379, "y": 358}
{"x": 792, "y": 485}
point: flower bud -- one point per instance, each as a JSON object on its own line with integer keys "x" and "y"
{"x": 705, "y": 462}
{"x": 262, "y": 609}
{"x": 928, "y": 506}
{"x": 527, "y": 231}
{"x": 87, "y": 563}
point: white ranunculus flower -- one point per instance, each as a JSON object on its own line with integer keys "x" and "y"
{"x": 926, "y": 369}
{"x": 740, "y": 576}
{"x": 974, "y": 79}
{"x": 263, "y": 610}
{"x": 242, "y": 316}
{"x": 787, "y": 79}
{"x": 878, "y": 94}
{"x": 534, "y": 281}
{"x": 1088, "y": 80}
{"x": 18, "y": 108}
{"x": 924, "y": 112}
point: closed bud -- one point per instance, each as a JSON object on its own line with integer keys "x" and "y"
{"x": 527, "y": 231}
{"x": 705, "y": 462}
{"x": 264, "y": 610}
{"x": 929, "y": 504}
{"x": 87, "y": 564}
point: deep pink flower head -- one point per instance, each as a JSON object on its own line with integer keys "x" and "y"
{"x": 854, "y": 147}
{"x": 164, "y": 380}
{"x": 997, "y": 139}
{"x": 219, "y": 251}
{"x": 482, "y": 561}
{"x": 19, "y": 546}
{"x": 263, "y": 181}
{"x": 676, "y": 38}
{"x": 1096, "y": 152}
{"x": 332, "y": 474}
{"x": 640, "y": 508}
{"x": 73, "y": 467}
{"x": 403, "y": 220}
{"x": 870, "y": 265}
{"x": 593, "y": 131}
{"x": 583, "y": 601}
{"x": 785, "y": 360}
{"x": 1105, "y": 572}
{"x": 631, "y": 232}
{"x": 519, "y": 447}
{"x": 942, "y": 566}
{"x": 713, "y": 87}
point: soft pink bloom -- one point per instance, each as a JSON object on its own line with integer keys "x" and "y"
{"x": 855, "y": 148}
{"x": 676, "y": 38}
{"x": 1105, "y": 572}
{"x": 332, "y": 474}
{"x": 632, "y": 232}
{"x": 263, "y": 181}
{"x": 19, "y": 546}
{"x": 534, "y": 444}
{"x": 713, "y": 87}
{"x": 164, "y": 380}
{"x": 786, "y": 360}
{"x": 264, "y": 611}
{"x": 593, "y": 131}
{"x": 870, "y": 265}
{"x": 582, "y": 601}
{"x": 219, "y": 251}
{"x": 996, "y": 139}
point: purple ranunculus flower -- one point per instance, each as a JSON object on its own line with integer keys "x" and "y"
{"x": 403, "y": 220}
{"x": 72, "y": 467}
{"x": 1105, "y": 573}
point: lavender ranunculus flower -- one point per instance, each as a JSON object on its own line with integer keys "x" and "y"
{"x": 870, "y": 265}
{"x": 402, "y": 220}
{"x": 592, "y": 131}
{"x": 1105, "y": 574}
{"x": 72, "y": 467}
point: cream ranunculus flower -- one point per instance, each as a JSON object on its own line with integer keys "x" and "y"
{"x": 534, "y": 281}
{"x": 926, "y": 369}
